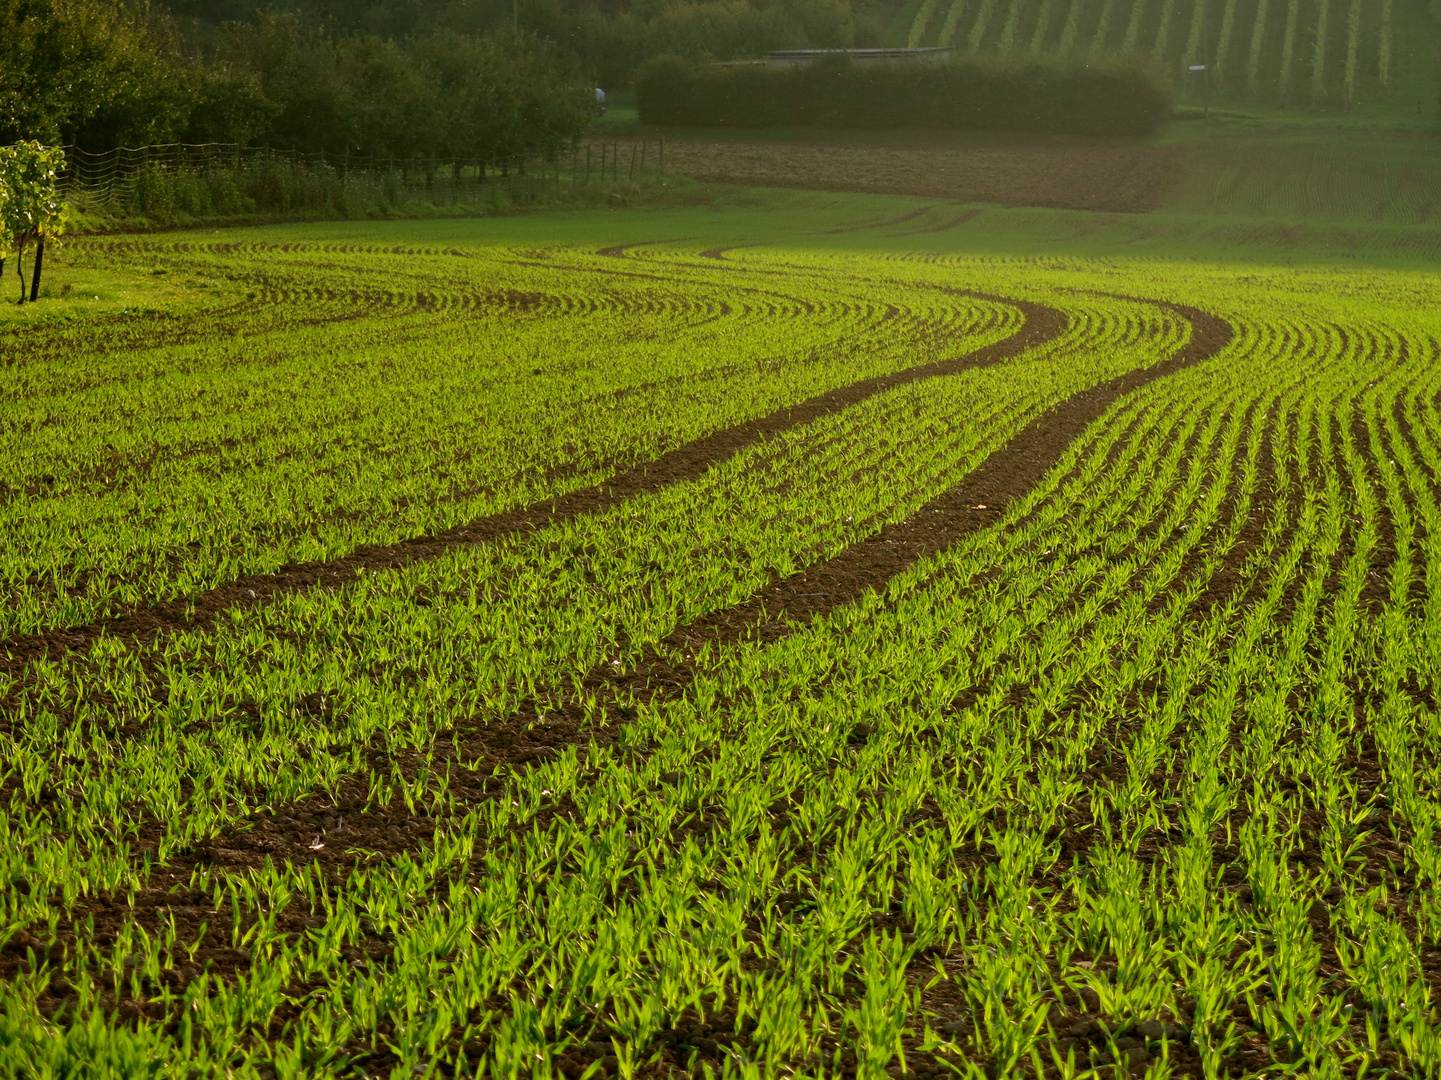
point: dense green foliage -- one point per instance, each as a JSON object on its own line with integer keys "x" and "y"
{"x": 31, "y": 207}
{"x": 429, "y": 76}
{"x": 963, "y": 97}
{"x": 30, "y": 202}
{"x": 103, "y": 75}
{"x": 1143, "y": 767}
{"x": 1379, "y": 55}
{"x": 612, "y": 37}
{"x": 446, "y": 94}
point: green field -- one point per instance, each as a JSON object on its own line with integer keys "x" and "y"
{"x": 797, "y": 635}
{"x": 1375, "y": 56}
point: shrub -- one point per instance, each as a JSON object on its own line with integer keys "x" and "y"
{"x": 31, "y": 209}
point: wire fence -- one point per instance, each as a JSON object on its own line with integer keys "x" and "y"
{"x": 128, "y": 176}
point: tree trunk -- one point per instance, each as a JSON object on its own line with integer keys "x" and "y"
{"x": 20, "y": 271}
{"x": 35, "y": 273}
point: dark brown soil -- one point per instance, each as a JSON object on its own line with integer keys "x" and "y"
{"x": 720, "y": 252}
{"x": 618, "y": 251}
{"x": 1066, "y": 173}
{"x": 684, "y": 463}
{"x": 886, "y": 224}
{"x": 978, "y": 501}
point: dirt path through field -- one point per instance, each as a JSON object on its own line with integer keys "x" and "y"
{"x": 328, "y": 830}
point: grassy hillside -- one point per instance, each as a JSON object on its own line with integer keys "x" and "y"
{"x": 1366, "y": 56}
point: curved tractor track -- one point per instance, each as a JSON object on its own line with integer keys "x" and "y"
{"x": 1143, "y": 657}
{"x": 1041, "y": 325}
{"x": 327, "y": 829}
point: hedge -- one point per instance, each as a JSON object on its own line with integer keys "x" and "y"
{"x": 1037, "y": 96}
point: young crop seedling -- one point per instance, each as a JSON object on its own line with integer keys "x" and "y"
{"x": 595, "y": 660}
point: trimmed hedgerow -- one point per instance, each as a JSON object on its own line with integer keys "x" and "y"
{"x": 1036, "y": 96}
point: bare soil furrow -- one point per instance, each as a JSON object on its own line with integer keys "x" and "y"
{"x": 334, "y": 830}
{"x": 977, "y": 502}
{"x": 884, "y": 224}
{"x": 1042, "y": 324}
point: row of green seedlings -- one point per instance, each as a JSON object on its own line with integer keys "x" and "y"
{"x": 763, "y": 718}
{"x": 1255, "y": 624}
{"x": 478, "y": 633}
{"x": 609, "y": 915}
{"x": 188, "y": 709}
{"x": 281, "y": 447}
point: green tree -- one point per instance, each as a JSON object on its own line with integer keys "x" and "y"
{"x": 497, "y": 95}
{"x": 74, "y": 68}
{"x": 227, "y": 105}
{"x": 442, "y": 94}
{"x": 31, "y": 208}
{"x": 106, "y": 74}
{"x": 296, "y": 68}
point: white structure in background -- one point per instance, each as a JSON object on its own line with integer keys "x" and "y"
{"x": 802, "y": 58}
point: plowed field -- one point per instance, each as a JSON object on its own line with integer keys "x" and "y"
{"x": 667, "y": 654}
{"x": 1015, "y": 171}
